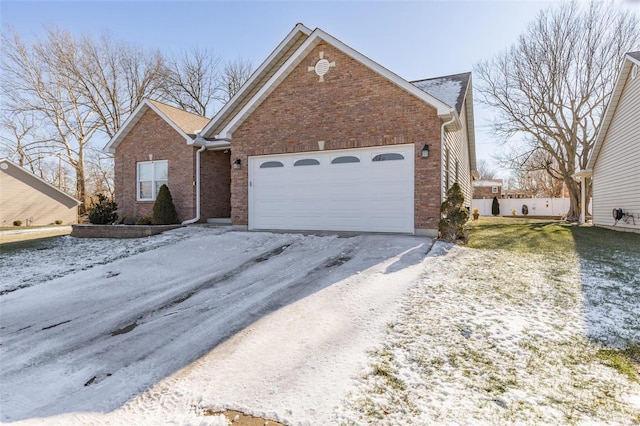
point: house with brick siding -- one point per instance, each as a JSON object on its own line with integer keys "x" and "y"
{"x": 319, "y": 138}
{"x": 487, "y": 188}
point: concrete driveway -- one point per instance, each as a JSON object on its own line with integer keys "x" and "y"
{"x": 271, "y": 324}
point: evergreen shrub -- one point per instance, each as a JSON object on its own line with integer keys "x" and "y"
{"x": 455, "y": 215}
{"x": 164, "y": 211}
{"x": 103, "y": 212}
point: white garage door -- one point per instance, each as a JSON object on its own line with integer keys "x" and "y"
{"x": 368, "y": 189}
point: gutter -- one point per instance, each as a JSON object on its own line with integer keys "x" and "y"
{"x": 443, "y": 142}
{"x": 197, "y": 218}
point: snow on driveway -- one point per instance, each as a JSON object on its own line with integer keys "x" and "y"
{"x": 271, "y": 324}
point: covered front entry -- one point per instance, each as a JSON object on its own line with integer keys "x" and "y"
{"x": 367, "y": 189}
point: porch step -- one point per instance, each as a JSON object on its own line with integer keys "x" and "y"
{"x": 221, "y": 221}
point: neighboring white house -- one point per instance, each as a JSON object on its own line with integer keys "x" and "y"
{"x": 614, "y": 165}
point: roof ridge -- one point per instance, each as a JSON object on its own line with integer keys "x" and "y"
{"x": 157, "y": 102}
{"x": 442, "y": 76}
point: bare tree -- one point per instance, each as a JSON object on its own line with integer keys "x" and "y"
{"x": 20, "y": 140}
{"x": 235, "y": 74}
{"x": 192, "y": 82}
{"x": 112, "y": 77}
{"x": 73, "y": 89}
{"x": 551, "y": 87}
{"x": 536, "y": 177}
{"x": 100, "y": 174}
{"x": 484, "y": 170}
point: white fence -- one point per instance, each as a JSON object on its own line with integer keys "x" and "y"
{"x": 537, "y": 206}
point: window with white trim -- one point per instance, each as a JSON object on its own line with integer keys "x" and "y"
{"x": 494, "y": 189}
{"x": 151, "y": 175}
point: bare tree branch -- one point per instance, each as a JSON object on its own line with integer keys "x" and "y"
{"x": 551, "y": 87}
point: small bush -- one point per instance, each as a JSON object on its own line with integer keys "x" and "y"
{"x": 58, "y": 222}
{"x": 145, "y": 220}
{"x": 103, "y": 212}
{"x": 164, "y": 211}
{"x": 495, "y": 207}
{"x": 130, "y": 221}
{"x": 17, "y": 223}
{"x": 514, "y": 212}
{"x": 525, "y": 209}
{"x": 451, "y": 226}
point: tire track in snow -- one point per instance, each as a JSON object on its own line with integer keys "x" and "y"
{"x": 206, "y": 315}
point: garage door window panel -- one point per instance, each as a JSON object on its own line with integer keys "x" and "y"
{"x": 389, "y": 156}
{"x": 271, "y": 165}
{"x": 345, "y": 159}
{"x": 306, "y": 162}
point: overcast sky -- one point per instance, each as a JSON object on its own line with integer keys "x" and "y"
{"x": 416, "y": 40}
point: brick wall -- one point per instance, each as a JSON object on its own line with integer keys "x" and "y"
{"x": 353, "y": 108}
{"x": 480, "y": 192}
{"x": 215, "y": 195}
{"x": 153, "y": 136}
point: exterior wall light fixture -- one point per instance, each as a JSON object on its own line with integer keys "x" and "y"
{"x": 237, "y": 163}
{"x": 425, "y": 151}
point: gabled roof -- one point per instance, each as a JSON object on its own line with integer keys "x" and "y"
{"x": 450, "y": 89}
{"x": 5, "y": 163}
{"x": 280, "y": 64}
{"x": 631, "y": 59}
{"x": 454, "y": 90}
{"x": 487, "y": 183}
{"x": 259, "y": 77}
{"x": 185, "y": 123}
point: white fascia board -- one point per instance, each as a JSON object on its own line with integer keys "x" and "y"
{"x": 633, "y": 60}
{"x": 608, "y": 115}
{"x": 471, "y": 131}
{"x": 299, "y": 28}
{"x": 110, "y": 147}
{"x": 443, "y": 110}
{"x": 23, "y": 170}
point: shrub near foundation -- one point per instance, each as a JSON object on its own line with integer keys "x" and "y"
{"x": 164, "y": 211}
{"x": 103, "y": 212}
{"x": 451, "y": 226}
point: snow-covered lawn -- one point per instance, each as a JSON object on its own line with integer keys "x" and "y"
{"x": 505, "y": 337}
{"x": 318, "y": 330}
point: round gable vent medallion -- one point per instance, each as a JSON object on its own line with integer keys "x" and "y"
{"x": 4, "y": 166}
{"x": 322, "y": 67}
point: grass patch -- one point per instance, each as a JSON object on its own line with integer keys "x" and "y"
{"x": 521, "y": 235}
{"x": 626, "y": 361}
{"x": 616, "y": 253}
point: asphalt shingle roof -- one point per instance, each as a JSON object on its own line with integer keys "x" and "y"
{"x": 189, "y": 123}
{"x": 635, "y": 55}
{"x": 450, "y": 89}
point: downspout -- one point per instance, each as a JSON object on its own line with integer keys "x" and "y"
{"x": 442, "y": 156}
{"x": 197, "y": 218}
